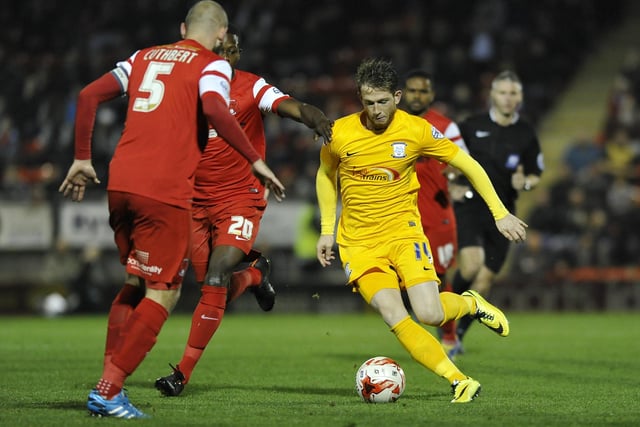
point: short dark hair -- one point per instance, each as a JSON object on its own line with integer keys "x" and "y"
{"x": 377, "y": 73}
{"x": 419, "y": 73}
{"x": 232, "y": 29}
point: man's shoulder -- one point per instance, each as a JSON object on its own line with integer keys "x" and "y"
{"x": 439, "y": 120}
{"x": 347, "y": 120}
{"x": 246, "y": 76}
{"x": 403, "y": 118}
{"x": 525, "y": 124}
{"x": 477, "y": 118}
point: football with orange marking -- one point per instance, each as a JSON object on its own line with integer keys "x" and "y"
{"x": 380, "y": 380}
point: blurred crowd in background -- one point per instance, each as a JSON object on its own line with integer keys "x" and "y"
{"x": 590, "y": 216}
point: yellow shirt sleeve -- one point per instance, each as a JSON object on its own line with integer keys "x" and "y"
{"x": 481, "y": 182}
{"x": 327, "y": 190}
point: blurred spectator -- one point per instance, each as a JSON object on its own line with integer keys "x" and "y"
{"x": 43, "y": 69}
{"x": 49, "y": 50}
{"x": 582, "y": 153}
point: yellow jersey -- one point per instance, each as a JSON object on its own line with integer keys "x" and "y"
{"x": 377, "y": 178}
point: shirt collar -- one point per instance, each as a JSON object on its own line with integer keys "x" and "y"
{"x": 514, "y": 119}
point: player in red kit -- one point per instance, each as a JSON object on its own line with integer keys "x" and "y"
{"x": 434, "y": 200}
{"x": 229, "y": 203}
{"x": 151, "y": 182}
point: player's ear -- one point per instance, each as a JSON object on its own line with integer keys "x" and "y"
{"x": 397, "y": 96}
{"x": 183, "y": 29}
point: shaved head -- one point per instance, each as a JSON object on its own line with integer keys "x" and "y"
{"x": 206, "y": 13}
{"x": 206, "y": 22}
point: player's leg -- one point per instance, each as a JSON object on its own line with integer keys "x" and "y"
{"x": 443, "y": 241}
{"x": 159, "y": 251}
{"x": 209, "y": 311}
{"x": 241, "y": 231}
{"x": 423, "y": 347}
{"x": 255, "y": 278}
{"x": 470, "y": 261}
{"x": 379, "y": 287}
{"x": 447, "y": 331}
{"x": 133, "y": 289}
{"x": 121, "y": 308}
{"x": 494, "y": 254}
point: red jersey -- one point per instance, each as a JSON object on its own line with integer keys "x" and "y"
{"x": 222, "y": 173}
{"x": 434, "y": 203}
{"x": 158, "y": 151}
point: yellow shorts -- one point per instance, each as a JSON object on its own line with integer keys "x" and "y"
{"x": 405, "y": 263}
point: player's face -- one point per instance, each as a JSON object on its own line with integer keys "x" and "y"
{"x": 506, "y": 97}
{"x": 417, "y": 95}
{"x": 230, "y": 49}
{"x": 379, "y": 105}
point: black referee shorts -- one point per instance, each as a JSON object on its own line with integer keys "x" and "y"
{"x": 476, "y": 227}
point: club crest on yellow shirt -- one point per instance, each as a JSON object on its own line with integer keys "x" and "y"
{"x": 399, "y": 150}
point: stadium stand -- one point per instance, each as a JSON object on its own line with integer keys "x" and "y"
{"x": 310, "y": 50}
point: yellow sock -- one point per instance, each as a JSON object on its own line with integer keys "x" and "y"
{"x": 426, "y": 349}
{"x": 456, "y": 306}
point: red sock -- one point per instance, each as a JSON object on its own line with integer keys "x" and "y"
{"x": 138, "y": 337}
{"x": 204, "y": 323}
{"x": 241, "y": 280}
{"x": 448, "y": 329}
{"x": 121, "y": 308}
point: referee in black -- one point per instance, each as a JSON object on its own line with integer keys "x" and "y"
{"x": 507, "y": 147}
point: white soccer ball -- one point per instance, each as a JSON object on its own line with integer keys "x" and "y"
{"x": 380, "y": 380}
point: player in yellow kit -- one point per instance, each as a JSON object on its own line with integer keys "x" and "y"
{"x": 371, "y": 164}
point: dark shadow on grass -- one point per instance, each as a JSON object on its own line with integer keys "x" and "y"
{"x": 75, "y": 405}
{"x": 342, "y": 393}
{"x": 208, "y": 388}
{"x": 80, "y": 407}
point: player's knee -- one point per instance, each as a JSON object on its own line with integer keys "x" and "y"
{"x": 391, "y": 314}
{"x": 133, "y": 280}
{"x": 470, "y": 270}
{"x": 216, "y": 278}
{"x": 430, "y": 316}
{"x": 166, "y": 298}
{"x": 482, "y": 286}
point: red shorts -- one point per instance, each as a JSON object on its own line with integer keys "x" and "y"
{"x": 231, "y": 224}
{"x": 153, "y": 238}
{"x": 444, "y": 246}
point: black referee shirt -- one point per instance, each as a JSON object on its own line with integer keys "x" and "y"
{"x": 500, "y": 149}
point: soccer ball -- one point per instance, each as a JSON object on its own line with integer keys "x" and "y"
{"x": 380, "y": 380}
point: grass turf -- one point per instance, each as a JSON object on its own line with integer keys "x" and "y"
{"x": 298, "y": 370}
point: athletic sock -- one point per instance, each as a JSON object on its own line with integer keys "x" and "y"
{"x": 455, "y": 306}
{"x": 241, "y": 280}
{"x": 138, "y": 337}
{"x": 121, "y": 308}
{"x": 426, "y": 349}
{"x": 448, "y": 329}
{"x": 204, "y": 323}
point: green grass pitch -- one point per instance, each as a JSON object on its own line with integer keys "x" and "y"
{"x": 578, "y": 369}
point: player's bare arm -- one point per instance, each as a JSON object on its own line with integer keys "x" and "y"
{"x": 309, "y": 115}
{"x": 268, "y": 179}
